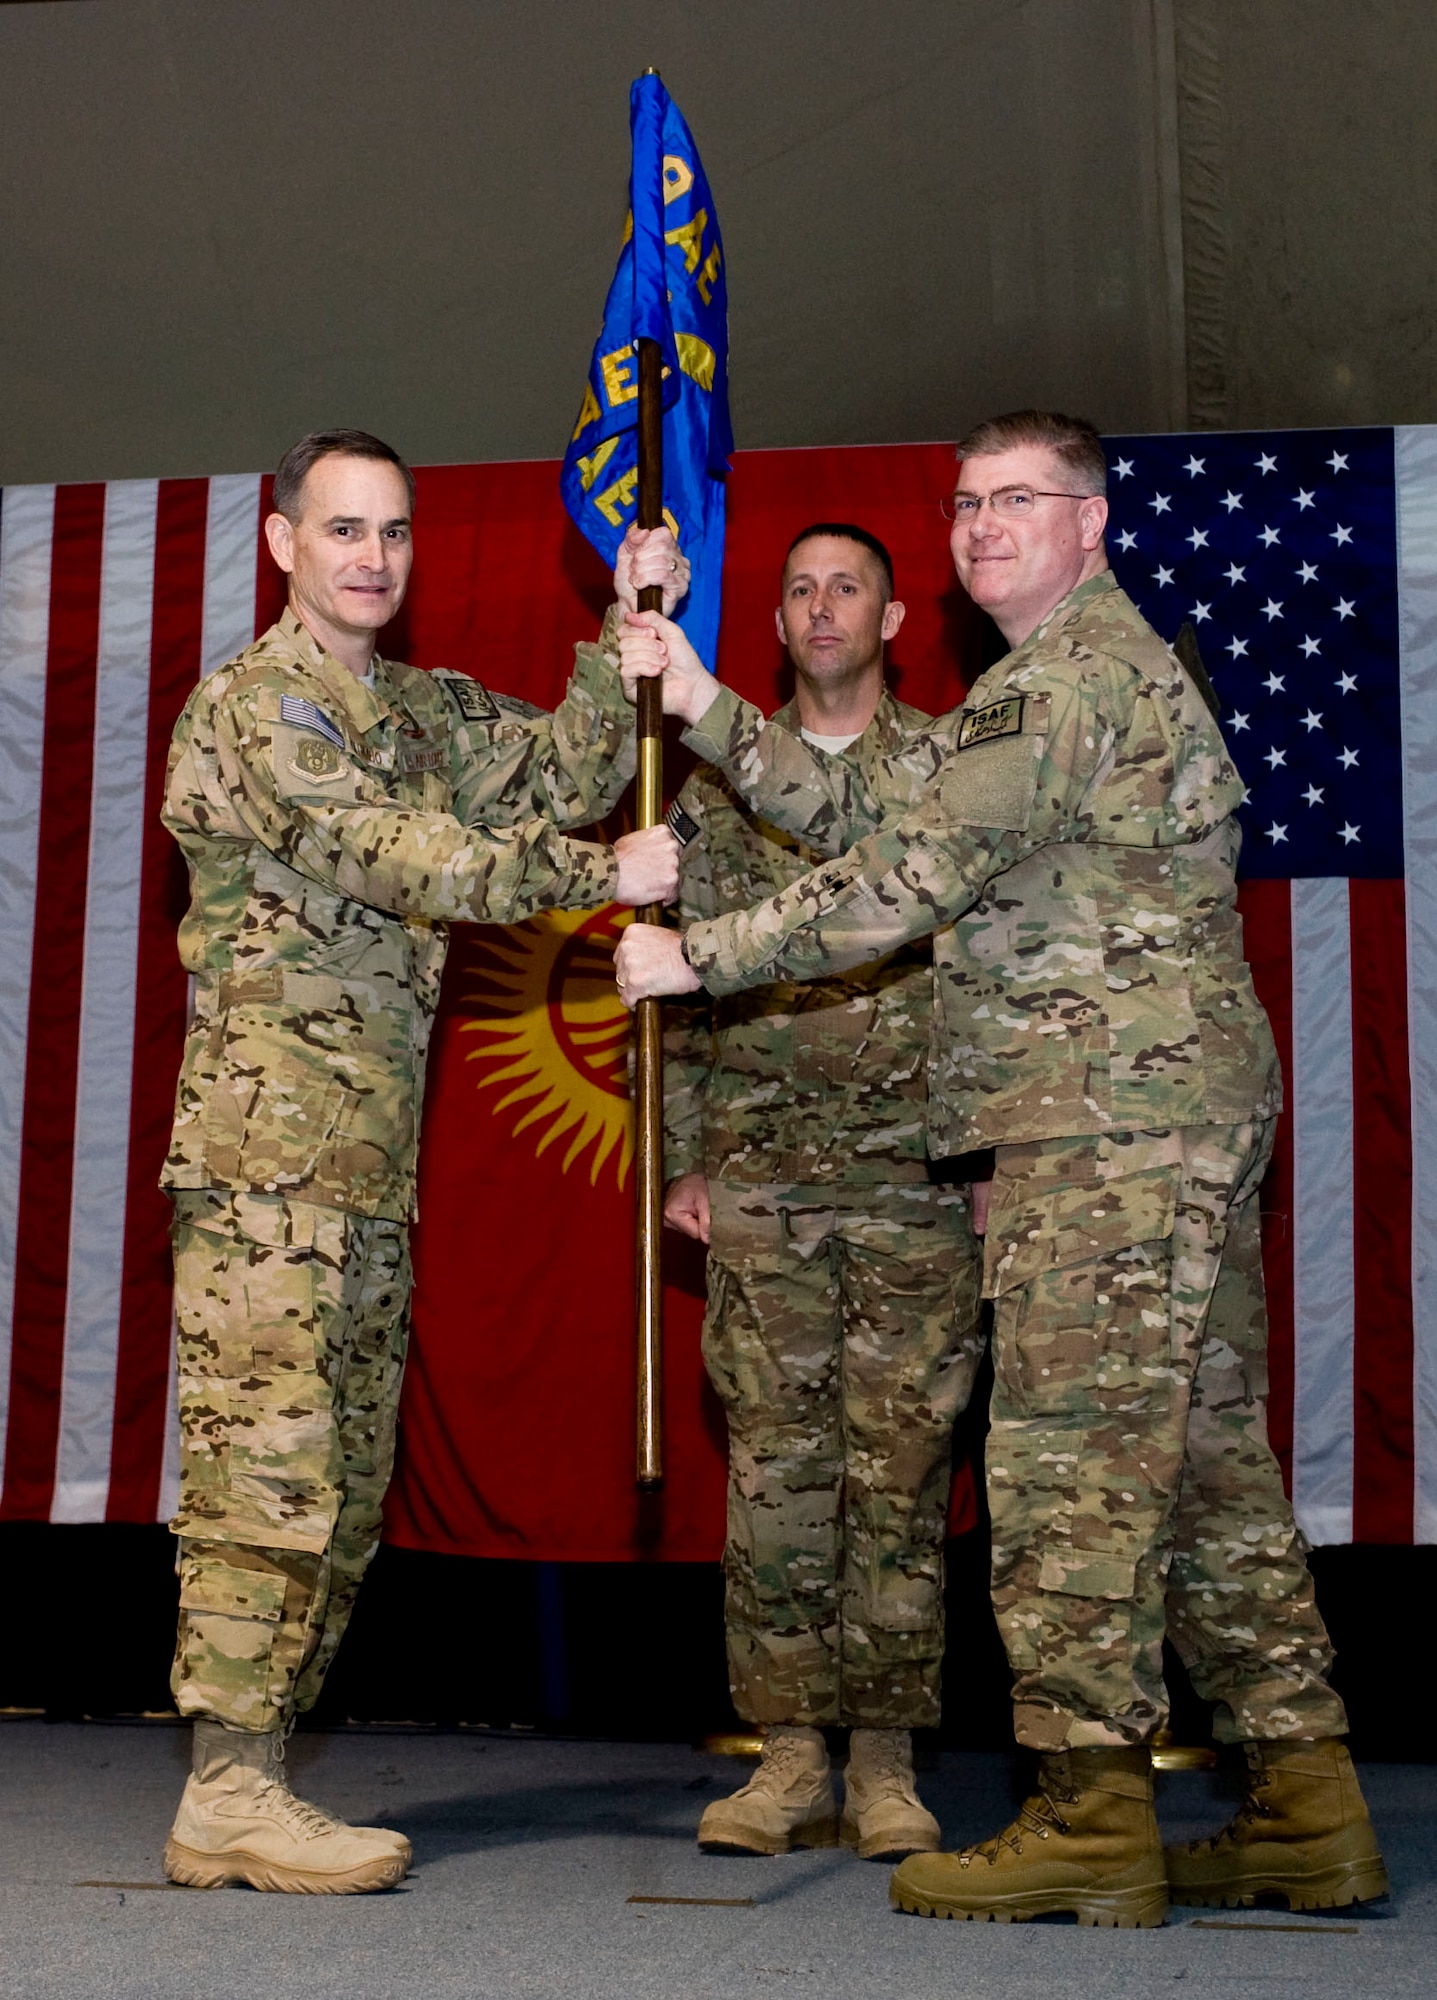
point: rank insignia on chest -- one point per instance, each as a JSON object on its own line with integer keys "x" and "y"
{"x": 317, "y": 757}
{"x": 999, "y": 718}
{"x": 474, "y": 703}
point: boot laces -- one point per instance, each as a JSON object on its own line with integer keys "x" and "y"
{"x": 887, "y": 1760}
{"x": 1038, "y": 1816}
{"x": 298, "y": 1814}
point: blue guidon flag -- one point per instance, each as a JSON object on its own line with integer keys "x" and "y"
{"x": 669, "y": 287}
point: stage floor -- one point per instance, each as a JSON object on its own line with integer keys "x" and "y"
{"x": 529, "y": 1853}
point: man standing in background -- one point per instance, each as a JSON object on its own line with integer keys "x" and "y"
{"x": 842, "y": 1325}
{"x": 336, "y": 811}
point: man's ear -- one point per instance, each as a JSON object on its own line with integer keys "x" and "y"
{"x": 778, "y": 625}
{"x": 1092, "y": 520}
{"x": 893, "y": 615}
{"x": 279, "y": 533}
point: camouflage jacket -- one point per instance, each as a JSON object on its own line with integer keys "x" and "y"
{"x": 1072, "y": 843}
{"x": 331, "y": 831}
{"x": 811, "y": 1083}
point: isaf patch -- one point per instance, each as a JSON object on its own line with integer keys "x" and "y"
{"x": 999, "y": 718}
{"x": 474, "y": 703}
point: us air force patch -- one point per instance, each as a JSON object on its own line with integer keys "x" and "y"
{"x": 317, "y": 757}
{"x": 474, "y": 703}
{"x": 999, "y": 718}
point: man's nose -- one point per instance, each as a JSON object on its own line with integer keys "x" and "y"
{"x": 985, "y": 524}
{"x": 372, "y": 552}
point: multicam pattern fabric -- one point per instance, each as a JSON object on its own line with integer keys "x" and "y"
{"x": 1130, "y": 1480}
{"x": 842, "y": 1336}
{"x": 322, "y": 876}
{"x": 292, "y": 1328}
{"x": 813, "y": 1083}
{"x": 1072, "y": 844}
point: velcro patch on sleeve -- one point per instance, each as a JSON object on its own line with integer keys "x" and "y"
{"x": 992, "y": 785}
{"x": 515, "y": 706}
{"x": 999, "y": 718}
{"x": 474, "y": 703}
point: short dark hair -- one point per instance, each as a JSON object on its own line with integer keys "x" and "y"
{"x": 848, "y": 531}
{"x": 294, "y": 468}
{"x": 1072, "y": 440}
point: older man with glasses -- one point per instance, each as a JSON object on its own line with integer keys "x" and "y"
{"x": 1072, "y": 845}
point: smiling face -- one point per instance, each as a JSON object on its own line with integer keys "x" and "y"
{"x": 349, "y": 553}
{"x": 836, "y": 613}
{"x": 1018, "y": 570}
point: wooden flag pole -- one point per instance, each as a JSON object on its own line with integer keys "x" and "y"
{"x": 649, "y": 1070}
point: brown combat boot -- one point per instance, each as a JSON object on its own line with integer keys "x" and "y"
{"x": 788, "y": 1802}
{"x": 1086, "y": 1842}
{"x": 239, "y": 1822}
{"x": 1301, "y": 1833}
{"x": 883, "y": 1817}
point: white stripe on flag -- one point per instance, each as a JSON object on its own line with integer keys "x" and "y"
{"x": 107, "y": 1009}
{"x": 1324, "y": 1292}
{"x": 27, "y": 523}
{"x": 1416, "y": 453}
{"x": 231, "y": 558}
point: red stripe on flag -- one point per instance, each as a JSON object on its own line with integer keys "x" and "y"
{"x": 52, "y": 1044}
{"x": 1267, "y": 939}
{"x": 142, "y": 1366}
{"x": 1382, "y": 1469}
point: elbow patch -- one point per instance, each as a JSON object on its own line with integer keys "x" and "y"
{"x": 992, "y": 777}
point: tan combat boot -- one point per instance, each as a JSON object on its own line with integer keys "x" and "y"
{"x": 1301, "y": 1833}
{"x": 788, "y": 1802}
{"x": 239, "y": 1822}
{"x": 1086, "y": 1842}
{"x": 883, "y": 1817}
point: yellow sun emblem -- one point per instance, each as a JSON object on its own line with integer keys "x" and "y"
{"x": 542, "y": 995}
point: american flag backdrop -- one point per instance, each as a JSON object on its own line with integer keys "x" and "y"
{"x": 1307, "y": 563}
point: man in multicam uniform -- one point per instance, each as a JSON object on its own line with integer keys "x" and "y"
{"x": 1073, "y": 848}
{"x": 842, "y": 1326}
{"x": 336, "y": 811}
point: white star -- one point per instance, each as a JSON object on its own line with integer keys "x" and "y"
{"x": 1238, "y": 722}
{"x": 1338, "y": 461}
{"x": 1265, "y": 464}
{"x": 1231, "y": 500}
{"x": 1347, "y": 759}
{"x": 1303, "y": 499}
{"x": 1313, "y": 795}
{"x": 1274, "y": 684}
{"x": 1275, "y": 757}
{"x": 1194, "y": 466}
{"x": 1311, "y": 646}
{"x": 1349, "y": 833}
{"x": 1343, "y": 607}
{"x": 1127, "y": 539}
{"x": 1269, "y": 536}
{"x": 1340, "y": 535}
{"x": 1197, "y": 539}
{"x": 1123, "y": 467}
{"x": 1276, "y": 833}
{"x": 1313, "y": 720}
{"x": 1237, "y": 647}
{"x": 1161, "y": 575}
{"x": 1346, "y": 684}
{"x": 1234, "y": 574}
{"x": 1200, "y": 611}
{"x": 1272, "y": 609}
{"x": 1159, "y": 503}
{"x": 1308, "y": 573}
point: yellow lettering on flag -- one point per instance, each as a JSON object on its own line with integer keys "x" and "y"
{"x": 689, "y": 237}
{"x": 703, "y": 283}
{"x": 671, "y": 524}
{"x": 678, "y": 178}
{"x": 628, "y": 229}
{"x": 598, "y": 458}
{"x": 619, "y": 385}
{"x": 696, "y": 360}
{"x": 588, "y": 410}
{"x": 619, "y": 495}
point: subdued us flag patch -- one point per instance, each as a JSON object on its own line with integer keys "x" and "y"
{"x": 306, "y": 715}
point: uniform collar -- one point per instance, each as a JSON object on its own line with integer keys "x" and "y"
{"x": 1076, "y": 600}
{"x": 362, "y": 706}
{"x": 883, "y": 732}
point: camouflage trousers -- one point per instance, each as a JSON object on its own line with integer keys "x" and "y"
{"x": 842, "y": 1335}
{"x": 1132, "y": 1487}
{"x": 292, "y": 1327}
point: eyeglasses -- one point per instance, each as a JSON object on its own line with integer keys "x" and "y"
{"x": 1010, "y": 503}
